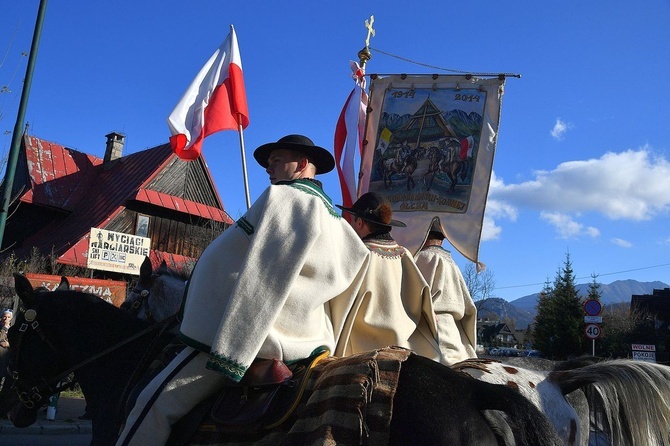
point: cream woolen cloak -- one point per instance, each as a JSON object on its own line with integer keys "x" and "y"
{"x": 456, "y": 312}
{"x": 392, "y": 307}
{"x": 264, "y": 287}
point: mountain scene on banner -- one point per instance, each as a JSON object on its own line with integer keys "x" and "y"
{"x": 523, "y": 310}
{"x": 463, "y": 124}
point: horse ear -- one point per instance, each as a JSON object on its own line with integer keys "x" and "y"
{"x": 145, "y": 269}
{"x": 24, "y": 289}
{"x": 64, "y": 284}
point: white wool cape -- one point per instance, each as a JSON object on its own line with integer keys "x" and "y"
{"x": 277, "y": 284}
{"x": 392, "y": 307}
{"x": 456, "y": 312}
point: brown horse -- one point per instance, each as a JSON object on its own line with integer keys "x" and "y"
{"x": 403, "y": 166}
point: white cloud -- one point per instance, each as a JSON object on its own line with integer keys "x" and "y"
{"x": 567, "y": 227}
{"x": 621, "y": 242}
{"x": 490, "y": 231}
{"x": 559, "y": 129}
{"x": 496, "y": 209}
{"x": 631, "y": 185}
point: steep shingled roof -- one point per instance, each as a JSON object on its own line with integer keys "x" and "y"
{"x": 53, "y": 176}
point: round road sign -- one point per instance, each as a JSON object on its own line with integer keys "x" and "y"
{"x": 592, "y": 307}
{"x": 593, "y": 331}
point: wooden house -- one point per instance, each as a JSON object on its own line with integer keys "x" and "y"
{"x": 60, "y": 193}
{"x": 498, "y": 334}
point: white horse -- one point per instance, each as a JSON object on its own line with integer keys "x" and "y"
{"x": 628, "y": 400}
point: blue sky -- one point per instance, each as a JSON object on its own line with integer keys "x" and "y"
{"x": 583, "y": 156}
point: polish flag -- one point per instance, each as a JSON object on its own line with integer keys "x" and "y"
{"x": 215, "y": 101}
{"x": 349, "y": 135}
{"x": 467, "y": 145}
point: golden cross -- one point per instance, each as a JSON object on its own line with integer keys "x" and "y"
{"x": 371, "y": 32}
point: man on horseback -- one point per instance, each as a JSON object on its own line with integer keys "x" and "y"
{"x": 272, "y": 286}
{"x": 455, "y": 311}
{"x": 393, "y": 305}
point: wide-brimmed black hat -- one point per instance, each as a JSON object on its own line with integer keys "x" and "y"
{"x": 318, "y": 156}
{"x": 374, "y": 208}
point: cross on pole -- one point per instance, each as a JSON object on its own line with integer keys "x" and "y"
{"x": 371, "y": 31}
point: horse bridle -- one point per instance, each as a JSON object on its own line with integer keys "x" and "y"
{"x": 31, "y": 394}
{"x": 144, "y": 297}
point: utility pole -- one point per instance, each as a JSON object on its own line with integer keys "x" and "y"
{"x": 10, "y": 171}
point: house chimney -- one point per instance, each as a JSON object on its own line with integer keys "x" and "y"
{"x": 114, "y": 148}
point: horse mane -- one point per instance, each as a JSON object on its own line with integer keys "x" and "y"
{"x": 177, "y": 273}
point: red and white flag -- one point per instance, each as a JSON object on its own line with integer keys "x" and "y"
{"x": 349, "y": 135}
{"x": 215, "y": 101}
{"x": 467, "y": 146}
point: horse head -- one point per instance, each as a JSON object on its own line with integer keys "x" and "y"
{"x": 157, "y": 294}
{"x": 28, "y": 380}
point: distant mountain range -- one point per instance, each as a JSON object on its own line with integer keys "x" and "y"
{"x": 522, "y": 310}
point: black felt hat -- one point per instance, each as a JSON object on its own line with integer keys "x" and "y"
{"x": 374, "y": 208}
{"x": 318, "y": 156}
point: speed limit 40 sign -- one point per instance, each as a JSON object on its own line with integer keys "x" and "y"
{"x": 593, "y": 331}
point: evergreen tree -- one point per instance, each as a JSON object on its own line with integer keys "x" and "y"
{"x": 543, "y": 329}
{"x": 559, "y": 324}
{"x": 594, "y": 289}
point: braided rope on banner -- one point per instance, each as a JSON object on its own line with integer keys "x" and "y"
{"x": 444, "y": 69}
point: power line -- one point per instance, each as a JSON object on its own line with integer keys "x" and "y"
{"x": 580, "y": 278}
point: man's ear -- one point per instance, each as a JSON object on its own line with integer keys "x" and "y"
{"x": 302, "y": 164}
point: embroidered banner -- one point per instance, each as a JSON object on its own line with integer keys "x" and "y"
{"x": 429, "y": 147}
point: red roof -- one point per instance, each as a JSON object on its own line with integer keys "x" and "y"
{"x": 182, "y": 205}
{"x": 174, "y": 261}
{"x": 76, "y": 182}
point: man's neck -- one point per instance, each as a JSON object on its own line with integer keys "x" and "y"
{"x": 433, "y": 242}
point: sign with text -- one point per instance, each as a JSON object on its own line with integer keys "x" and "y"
{"x": 112, "y": 291}
{"x": 593, "y": 331}
{"x": 430, "y": 143}
{"x": 644, "y": 352}
{"x": 644, "y": 347}
{"x": 116, "y": 251}
{"x": 644, "y": 356}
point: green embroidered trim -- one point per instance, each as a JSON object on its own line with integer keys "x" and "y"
{"x": 244, "y": 225}
{"x": 310, "y": 188}
{"x": 393, "y": 251}
{"x": 226, "y": 366}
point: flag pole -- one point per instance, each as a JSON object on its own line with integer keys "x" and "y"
{"x": 244, "y": 162}
{"x": 15, "y": 147}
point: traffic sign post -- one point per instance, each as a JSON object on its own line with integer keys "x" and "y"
{"x": 593, "y": 308}
{"x": 593, "y": 331}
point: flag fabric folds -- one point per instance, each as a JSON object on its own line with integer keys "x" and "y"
{"x": 349, "y": 135}
{"x": 215, "y": 100}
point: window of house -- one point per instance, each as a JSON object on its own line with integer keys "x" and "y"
{"x": 142, "y": 225}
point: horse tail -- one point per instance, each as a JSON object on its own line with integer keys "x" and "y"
{"x": 528, "y": 425}
{"x": 633, "y": 397}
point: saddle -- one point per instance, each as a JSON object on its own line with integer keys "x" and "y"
{"x": 267, "y": 395}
